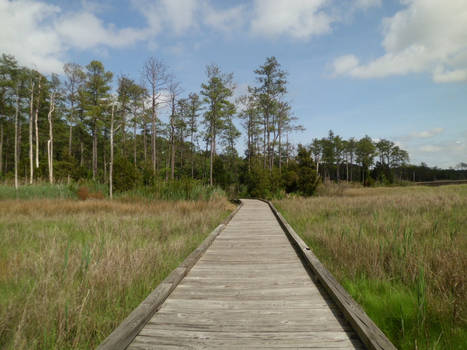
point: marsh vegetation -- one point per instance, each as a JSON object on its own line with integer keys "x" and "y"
{"x": 71, "y": 271}
{"x": 399, "y": 251}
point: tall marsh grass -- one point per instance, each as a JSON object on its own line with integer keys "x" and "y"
{"x": 401, "y": 252}
{"x": 71, "y": 271}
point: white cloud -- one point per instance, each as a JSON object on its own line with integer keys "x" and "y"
{"x": 25, "y": 32}
{"x": 344, "y": 64}
{"x": 300, "y": 19}
{"x": 425, "y": 36}
{"x": 183, "y": 15}
{"x": 39, "y": 35}
{"x": 84, "y": 30}
{"x": 426, "y": 134}
{"x": 224, "y": 19}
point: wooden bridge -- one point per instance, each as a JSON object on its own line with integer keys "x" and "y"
{"x": 252, "y": 284}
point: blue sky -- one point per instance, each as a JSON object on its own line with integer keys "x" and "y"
{"x": 389, "y": 69}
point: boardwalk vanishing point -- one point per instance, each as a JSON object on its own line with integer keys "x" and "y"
{"x": 249, "y": 288}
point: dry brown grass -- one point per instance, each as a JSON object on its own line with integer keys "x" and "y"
{"x": 70, "y": 271}
{"x": 408, "y": 245}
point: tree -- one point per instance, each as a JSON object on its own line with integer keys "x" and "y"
{"x": 193, "y": 106}
{"x": 156, "y": 77}
{"x": 112, "y": 131}
{"x": 329, "y": 153}
{"x": 365, "y": 152}
{"x": 316, "y": 148}
{"x": 249, "y": 113}
{"x": 307, "y": 174}
{"x": 74, "y": 79}
{"x": 174, "y": 90}
{"x": 216, "y": 92}
{"x": 97, "y": 90}
{"x": 339, "y": 148}
{"x": 272, "y": 80}
{"x": 54, "y": 91}
{"x": 350, "y": 148}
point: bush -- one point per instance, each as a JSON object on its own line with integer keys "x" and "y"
{"x": 83, "y": 193}
{"x": 125, "y": 175}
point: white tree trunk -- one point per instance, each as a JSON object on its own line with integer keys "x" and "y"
{"x": 111, "y": 165}
{"x": 36, "y": 118}
{"x": 50, "y": 142}
{"x": 31, "y": 146}
{"x": 16, "y": 137}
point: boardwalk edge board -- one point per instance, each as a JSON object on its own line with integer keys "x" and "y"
{"x": 369, "y": 333}
{"x": 124, "y": 334}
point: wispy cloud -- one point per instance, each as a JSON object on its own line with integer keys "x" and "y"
{"x": 426, "y": 134}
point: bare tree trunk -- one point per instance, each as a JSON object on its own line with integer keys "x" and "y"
{"x": 167, "y": 161}
{"x": 145, "y": 147}
{"x": 36, "y": 121}
{"x": 280, "y": 146}
{"x": 16, "y": 137}
{"x": 192, "y": 154}
{"x": 31, "y": 145}
{"x": 213, "y": 152}
{"x": 172, "y": 148}
{"x": 134, "y": 137}
{"x": 153, "y": 137}
{"x": 50, "y": 143}
{"x": 111, "y": 165}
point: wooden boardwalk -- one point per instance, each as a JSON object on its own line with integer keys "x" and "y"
{"x": 249, "y": 290}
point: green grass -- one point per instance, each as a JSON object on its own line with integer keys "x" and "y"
{"x": 71, "y": 271}
{"x": 186, "y": 189}
{"x": 400, "y": 252}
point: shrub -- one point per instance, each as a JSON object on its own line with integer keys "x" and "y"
{"x": 83, "y": 193}
{"x": 125, "y": 175}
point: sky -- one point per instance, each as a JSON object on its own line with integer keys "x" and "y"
{"x": 384, "y": 68}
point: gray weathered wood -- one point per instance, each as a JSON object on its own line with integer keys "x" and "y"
{"x": 368, "y": 332}
{"x": 248, "y": 290}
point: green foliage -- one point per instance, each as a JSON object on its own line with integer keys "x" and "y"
{"x": 258, "y": 183}
{"x": 125, "y": 175}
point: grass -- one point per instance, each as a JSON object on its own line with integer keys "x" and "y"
{"x": 185, "y": 189}
{"x": 401, "y": 252}
{"x": 71, "y": 271}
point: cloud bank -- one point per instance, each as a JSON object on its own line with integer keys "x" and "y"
{"x": 40, "y": 35}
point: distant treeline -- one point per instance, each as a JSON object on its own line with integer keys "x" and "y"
{"x": 75, "y": 127}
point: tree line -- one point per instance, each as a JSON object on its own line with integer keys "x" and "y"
{"x": 77, "y": 126}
